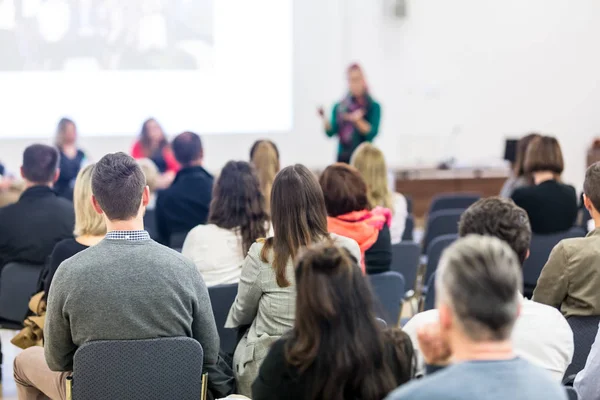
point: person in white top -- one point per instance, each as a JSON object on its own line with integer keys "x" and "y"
{"x": 369, "y": 161}
{"x": 541, "y": 334}
{"x": 236, "y": 219}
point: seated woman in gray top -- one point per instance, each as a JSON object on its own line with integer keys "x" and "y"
{"x": 266, "y": 297}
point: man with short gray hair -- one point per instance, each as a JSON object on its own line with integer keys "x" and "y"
{"x": 477, "y": 294}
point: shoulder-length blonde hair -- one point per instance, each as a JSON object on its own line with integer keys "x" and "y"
{"x": 369, "y": 161}
{"x": 265, "y": 158}
{"x": 87, "y": 220}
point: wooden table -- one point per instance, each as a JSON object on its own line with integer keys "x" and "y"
{"x": 423, "y": 184}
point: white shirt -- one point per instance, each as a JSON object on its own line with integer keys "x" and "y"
{"x": 216, "y": 252}
{"x": 399, "y": 218}
{"x": 541, "y": 336}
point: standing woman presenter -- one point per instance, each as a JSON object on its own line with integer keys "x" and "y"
{"x": 355, "y": 119}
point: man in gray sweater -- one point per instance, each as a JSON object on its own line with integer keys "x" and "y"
{"x": 125, "y": 287}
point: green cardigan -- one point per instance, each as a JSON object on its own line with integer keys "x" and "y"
{"x": 372, "y": 117}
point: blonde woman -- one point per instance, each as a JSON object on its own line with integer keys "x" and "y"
{"x": 89, "y": 226}
{"x": 152, "y": 179}
{"x": 264, "y": 155}
{"x": 369, "y": 161}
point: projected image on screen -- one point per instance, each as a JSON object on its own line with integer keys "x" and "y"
{"x": 47, "y": 35}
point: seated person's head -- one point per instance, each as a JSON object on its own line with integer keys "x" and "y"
{"x": 477, "y": 291}
{"x": 522, "y": 145}
{"x": 87, "y": 221}
{"x": 591, "y": 189}
{"x": 544, "y": 155}
{"x": 187, "y": 148}
{"x": 40, "y": 165}
{"x": 370, "y": 162}
{"x": 265, "y": 158}
{"x": 336, "y": 333}
{"x": 344, "y": 189}
{"x": 151, "y": 173}
{"x": 501, "y": 218}
{"x": 119, "y": 188}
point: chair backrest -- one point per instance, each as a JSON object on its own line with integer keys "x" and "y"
{"x": 441, "y": 223}
{"x": 540, "y": 248}
{"x": 222, "y": 298}
{"x": 176, "y": 240}
{"x": 152, "y": 369}
{"x": 572, "y": 393}
{"x": 405, "y": 260}
{"x": 409, "y": 203}
{"x": 434, "y": 253}
{"x": 584, "y": 330}
{"x": 18, "y": 282}
{"x": 449, "y": 201}
{"x": 429, "y": 303}
{"x": 409, "y": 228}
{"x": 150, "y": 223}
{"x": 388, "y": 289}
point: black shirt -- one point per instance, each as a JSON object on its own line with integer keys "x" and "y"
{"x": 31, "y": 227}
{"x": 378, "y": 257}
{"x": 69, "y": 168}
{"x": 551, "y": 206}
{"x": 185, "y": 204}
{"x": 63, "y": 250}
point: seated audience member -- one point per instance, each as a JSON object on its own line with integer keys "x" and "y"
{"x": 185, "y": 204}
{"x": 541, "y": 334}
{"x": 152, "y": 177}
{"x": 349, "y": 215}
{"x": 518, "y": 178}
{"x": 369, "y": 161}
{"x": 586, "y": 383}
{"x": 10, "y": 190}
{"x": 264, "y": 155}
{"x": 477, "y": 295}
{"x": 125, "y": 287}
{"x": 31, "y": 227}
{"x": 337, "y": 348}
{"x": 550, "y": 204}
{"x": 89, "y": 227}
{"x": 153, "y": 144}
{"x": 266, "y": 298}
{"x": 570, "y": 280}
{"x": 237, "y": 218}
{"x": 71, "y": 157}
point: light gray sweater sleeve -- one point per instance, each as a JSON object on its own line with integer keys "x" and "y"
{"x": 59, "y": 348}
{"x": 586, "y": 382}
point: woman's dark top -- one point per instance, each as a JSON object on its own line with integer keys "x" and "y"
{"x": 69, "y": 168}
{"x": 63, "y": 250}
{"x": 551, "y": 206}
{"x": 378, "y": 258}
{"x": 277, "y": 380}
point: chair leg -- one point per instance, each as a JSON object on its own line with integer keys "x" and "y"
{"x": 69, "y": 387}
{"x": 204, "y": 386}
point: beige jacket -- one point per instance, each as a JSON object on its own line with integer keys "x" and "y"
{"x": 570, "y": 280}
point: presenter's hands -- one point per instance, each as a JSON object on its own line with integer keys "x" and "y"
{"x": 321, "y": 112}
{"x": 357, "y": 115}
{"x": 433, "y": 346}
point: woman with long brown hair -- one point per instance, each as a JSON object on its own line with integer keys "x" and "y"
{"x": 236, "y": 219}
{"x": 266, "y": 296}
{"x": 337, "y": 349}
{"x": 264, "y": 155}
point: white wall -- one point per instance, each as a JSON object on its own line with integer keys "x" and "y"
{"x": 454, "y": 79}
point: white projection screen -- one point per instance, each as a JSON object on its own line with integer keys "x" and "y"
{"x": 210, "y": 66}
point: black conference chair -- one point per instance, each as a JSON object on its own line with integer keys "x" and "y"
{"x": 388, "y": 289}
{"x": 441, "y": 223}
{"x": 177, "y": 239}
{"x": 151, "y": 369}
{"x": 434, "y": 253}
{"x": 450, "y": 201}
{"x": 584, "y": 330}
{"x": 540, "y": 248}
{"x": 429, "y": 303}
{"x": 572, "y": 393}
{"x": 409, "y": 204}
{"x": 406, "y": 257}
{"x": 222, "y": 298}
{"x": 150, "y": 223}
{"x": 18, "y": 283}
{"x": 409, "y": 229}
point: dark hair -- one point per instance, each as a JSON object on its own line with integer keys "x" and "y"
{"x": 591, "y": 184}
{"x": 40, "y": 163}
{"x": 544, "y": 154}
{"x": 501, "y": 218}
{"x": 336, "y": 339}
{"x": 298, "y": 215}
{"x": 238, "y": 203}
{"x": 145, "y": 137}
{"x": 187, "y": 148}
{"x": 519, "y": 166}
{"x": 344, "y": 189}
{"x": 60, "y": 131}
{"x": 117, "y": 184}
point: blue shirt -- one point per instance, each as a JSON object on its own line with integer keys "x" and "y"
{"x": 514, "y": 379}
